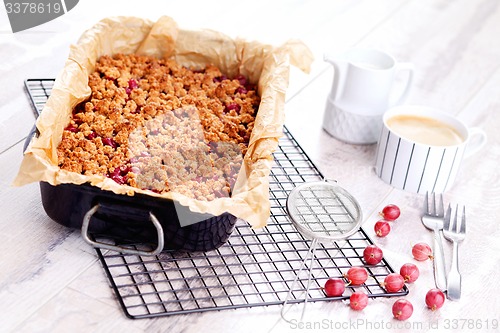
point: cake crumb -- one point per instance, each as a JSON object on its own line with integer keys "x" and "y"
{"x": 153, "y": 124}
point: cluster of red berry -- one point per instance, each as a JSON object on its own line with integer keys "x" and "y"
{"x": 390, "y": 213}
{"x": 402, "y": 309}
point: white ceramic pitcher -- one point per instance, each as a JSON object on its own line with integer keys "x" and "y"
{"x": 364, "y": 80}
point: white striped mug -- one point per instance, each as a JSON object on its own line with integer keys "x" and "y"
{"x": 420, "y": 149}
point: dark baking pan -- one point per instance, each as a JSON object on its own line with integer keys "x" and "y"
{"x": 139, "y": 219}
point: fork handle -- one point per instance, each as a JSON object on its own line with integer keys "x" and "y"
{"x": 454, "y": 277}
{"x": 439, "y": 266}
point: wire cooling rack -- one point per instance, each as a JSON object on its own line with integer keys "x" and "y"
{"x": 254, "y": 268}
{"x": 38, "y": 90}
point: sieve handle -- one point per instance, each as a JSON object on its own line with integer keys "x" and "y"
{"x": 310, "y": 256}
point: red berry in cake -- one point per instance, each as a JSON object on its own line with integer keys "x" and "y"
{"x": 109, "y": 142}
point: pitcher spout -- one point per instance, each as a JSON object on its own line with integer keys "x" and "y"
{"x": 335, "y": 60}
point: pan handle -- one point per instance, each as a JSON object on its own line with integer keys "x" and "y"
{"x": 152, "y": 218}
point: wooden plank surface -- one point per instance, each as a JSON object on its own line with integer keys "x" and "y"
{"x": 51, "y": 281}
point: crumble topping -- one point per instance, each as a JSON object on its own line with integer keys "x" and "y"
{"x": 153, "y": 124}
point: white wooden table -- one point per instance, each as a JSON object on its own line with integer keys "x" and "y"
{"x": 51, "y": 281}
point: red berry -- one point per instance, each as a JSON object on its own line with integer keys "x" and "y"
{"x": 382, "y": 228}
{"x": 119, "y": 174}
{"x": 373, "y": 255}
{"x": 409, "y": 272}
{"x": 358, "y": 301}
{"x": 390, "y": 212}
{"x": 233, "y": 106}
{"x": 241, "y": 79}
{"x": 394, "y": 282}
{"x": 109, "y": 142}
{"x": 421, "y": 251}
{"x": 132, "y": 84}
{"x": 120, "y": 180}
{"x": 71, "y": 128}
{"x": 241, "y": 90}
{"x": 334, "y": 287}
{"x": 357, "y": 275}
{"x": 124, "y": 169}
{"x": 402, "y": 309}
{"x": 154, "y": 132}
{"x": 116, "y": 172}
{"x": 92, "y": 135}
{"x": 220, "y": 78}
{"x": 434, "y": 299}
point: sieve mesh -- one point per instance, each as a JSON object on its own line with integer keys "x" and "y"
{"x": 323, "y": 211}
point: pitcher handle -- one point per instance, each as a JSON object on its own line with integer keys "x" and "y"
{"x": 477, "y": 140}
{"x": 337, "y": 85}
{"x": 402, "y": 67}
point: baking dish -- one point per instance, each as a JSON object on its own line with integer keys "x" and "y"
{"x": 96, "y": 198}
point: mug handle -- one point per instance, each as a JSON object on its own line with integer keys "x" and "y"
{"x": 401, "y": 67}
{"x": 477, "y": 140}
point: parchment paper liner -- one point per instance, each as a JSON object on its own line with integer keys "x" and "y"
{"x": 263, "y": 63}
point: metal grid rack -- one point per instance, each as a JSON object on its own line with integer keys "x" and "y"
{"x": 254, "y": 268}
{"x": 38, "y": 90}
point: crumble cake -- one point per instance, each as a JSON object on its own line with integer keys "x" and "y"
{"x": 153, "y": 124}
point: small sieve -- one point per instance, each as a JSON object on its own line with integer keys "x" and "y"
{"x": 322, "y": 212}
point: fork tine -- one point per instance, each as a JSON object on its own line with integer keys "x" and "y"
{"x": 426, "y": 202}
{"x": 433, "y": 203}
{"x": 461, "y": 227}
{"x": 462, "y": 224}
{"x": 440, "y": 209}
{"x": 454, "y": 225}
{"x": 447, "y": 217}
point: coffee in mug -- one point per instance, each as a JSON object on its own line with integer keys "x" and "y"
{"x": 425, "y": 130}
{"x": 420, "y": 148}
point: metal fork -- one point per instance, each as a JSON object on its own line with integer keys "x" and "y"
{"x": 455, "y": 232}
{"x": 433, "y": 219}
